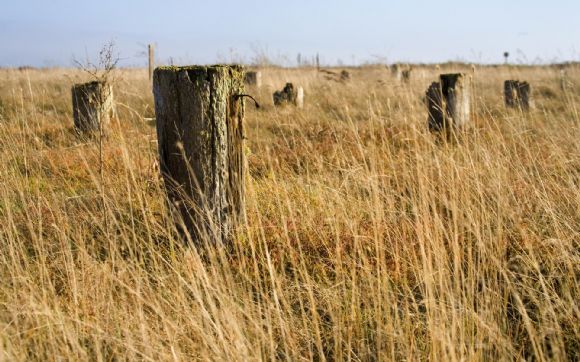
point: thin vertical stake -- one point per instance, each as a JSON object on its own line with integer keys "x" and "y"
{"x": 151, "y": 52}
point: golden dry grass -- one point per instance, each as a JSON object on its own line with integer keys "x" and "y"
{"x": 367, "y": 237}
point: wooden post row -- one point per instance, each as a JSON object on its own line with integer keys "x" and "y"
{"x": 199, "y": 112}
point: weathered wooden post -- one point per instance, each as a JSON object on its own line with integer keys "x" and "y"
{"x": 434, "y": 102}
{"x": 524, "y": 95}
{"x": 396, "y": 71}
{"x": 253, "y": 78}
{"x": 406, "y": 74}
{"x": 151, "y": 55}
{"x": 289, "y": 95}
{"x": 93, "y": 106}
{"x": 563, "y": 80}
{"x": 300, "y": 97}
{"x": 510, "y": 92}
{"x": 199, "y": 112}
{"x": 448, "y": 102}
{"x": 456, "y": 93}
{"x": 517, "y": 94}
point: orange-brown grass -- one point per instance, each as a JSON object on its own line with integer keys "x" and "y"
{"x": 367, "y": 237}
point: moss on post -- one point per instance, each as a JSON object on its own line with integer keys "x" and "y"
{"x": 199, "y": 114}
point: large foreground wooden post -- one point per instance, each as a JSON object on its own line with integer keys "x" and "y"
{"x": 448, "y": 102}
{"x": 92, "y": 106}
{"x": 199, "y": 112}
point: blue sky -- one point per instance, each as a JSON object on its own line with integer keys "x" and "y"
{"x": 53, "y": 32}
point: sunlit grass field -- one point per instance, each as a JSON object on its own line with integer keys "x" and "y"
{"x": 367, "y": 238}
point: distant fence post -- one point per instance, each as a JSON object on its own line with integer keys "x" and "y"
{"x": 300, "y": 97}
{"x": 563, "y": 80}
{"x": 344, "y": 76}
{"x": 199, "y": 114}
{"x": 253, "y": 78}
{"x": 406, "y": 75}
{"x": 517, "y": 94}
{"x": 317, "y": 62}
{"x": 289, "y": 95}
{"x": 396, "y": 71}
{"x": 434, "y": 107}
{"x": 525, "y": 95}
{"x": 151, "y": 56}
{"x": 93, "y": 106}
{"x": 510, "y": 93}
{"x": 448, "y": 102}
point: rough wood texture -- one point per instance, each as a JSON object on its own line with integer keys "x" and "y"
{"x": 456, "y": 95}
{"x": 435, "y": 107}
{"x": 517, "y": 94}
{"x": 289, "y": 95}
{"x": 92, "y": 106}
{"x": 253, "y": 79}
{"x": 199, "y": 113}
